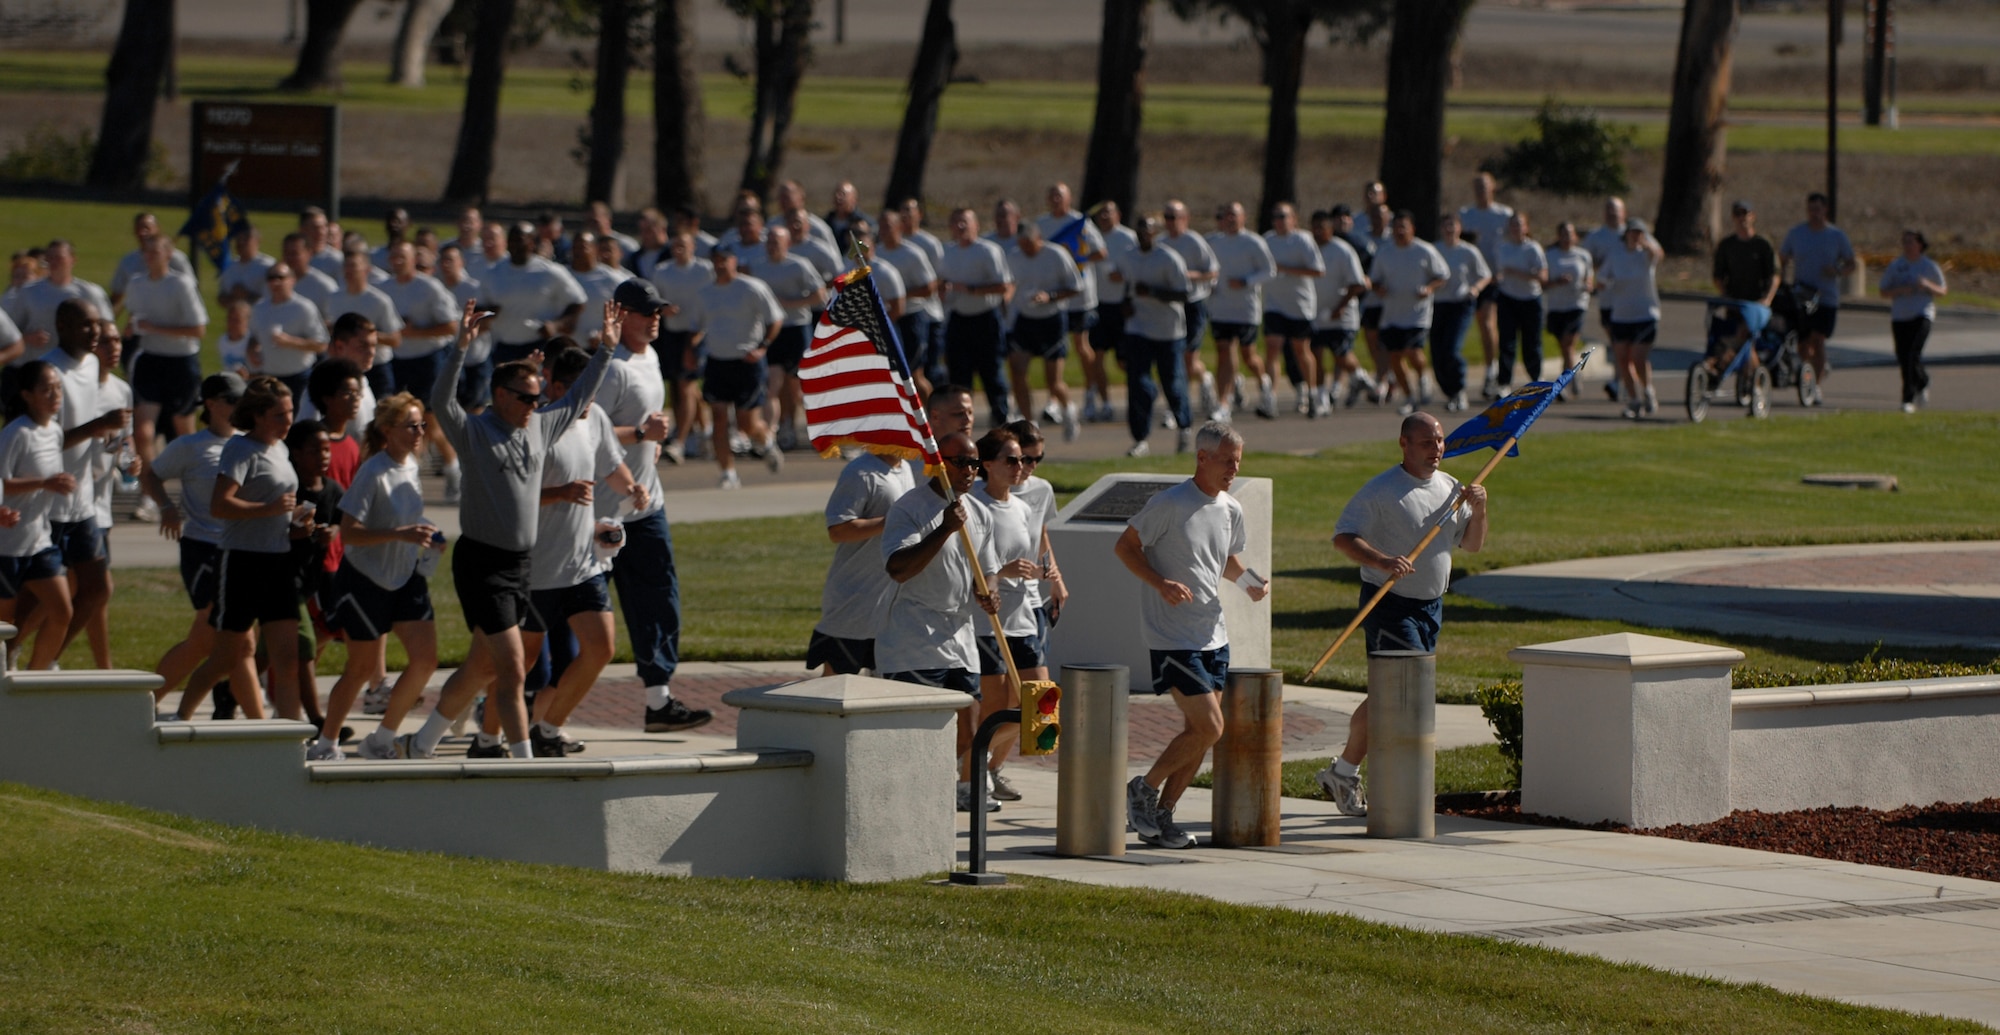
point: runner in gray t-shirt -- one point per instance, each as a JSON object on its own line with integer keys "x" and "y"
{"x": 1820, "y": 256}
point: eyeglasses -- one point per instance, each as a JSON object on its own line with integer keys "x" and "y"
{"x": 1012, "y": 461}
{"x": 532, "y": 399}
{"x": 963, "y": 463}
{"x": 1031, "y": 460}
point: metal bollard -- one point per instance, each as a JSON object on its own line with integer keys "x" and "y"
{"x": 1090, "y": 765}
{"x": 1250, "y": 759}
{"x": 1402, "y": 745}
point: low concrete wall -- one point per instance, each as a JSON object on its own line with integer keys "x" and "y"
{"x": 854, "y": 783}
{"x": 1646, "y": 731}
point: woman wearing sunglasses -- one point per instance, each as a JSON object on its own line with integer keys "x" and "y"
{"x": 1017, "y": 547}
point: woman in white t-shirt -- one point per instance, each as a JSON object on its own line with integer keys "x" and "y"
{"x": 1913, "y": 283}
{"x": 1630, "y": 278}
{"x": 381, "y": 587}
{"x": 31, "y": 470}
{"x": 1017, "y": 548}
{"x": 1521, "y": 270}
{"x": 1568, "y": 297}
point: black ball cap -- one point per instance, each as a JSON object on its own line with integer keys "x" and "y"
{"x": 638, "y": 296}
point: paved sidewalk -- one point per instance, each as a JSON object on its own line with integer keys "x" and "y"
{"x": 1861, "y": 934}
{"x": 1907, "y": 594}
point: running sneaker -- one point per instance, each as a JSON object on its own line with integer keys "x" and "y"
{"x": 1652, "y": 401}
{"x": 1236, "y": 393}
{"x": 1142, "y": 804}
{"x": 406, "y": 747}
{"x": 675, "y": 717}
{"x": 999, "y": 788}
{"x": 1072, "y": 427}
{"x": 322, "y": 751}
{"x": 673, "y": 453}
{"x": 1611, "y": 389}
{"x": 731, "y": 480}
{"x": 1052, "y": 412}
{"x": 1183, "y": 440}
{"x": 1406, "y": 409}
{"x": 375, "y": 699}
{"x": 788, "y": 437}
{"x": 147, "y": 511}
{"x": 379, "y": 745}
{"x": 1491, "y": 390}
{"x": 1457, "y": 402}
{"x": 480, "y": 749}
{"x": 1345, "y": 791}
{"x": 545, "y": 746}
{"x": 1170, "y": 835}
{"x": 1302, "y": 400}
{"x": 965, "y": 798}
{"x": 571, "y": 745}
{"x": 1267, "y": 402}
{"x": 774, "y": 457}
{"x": 1909, "y": 407}
{"x": 1207, "y": 391}
{"x": 1139, "y": 448}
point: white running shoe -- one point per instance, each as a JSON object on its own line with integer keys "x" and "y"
{"x": 147, "y": 511}
{"x": 1457, "y": 402}
{"x": 324, "y": 751}
{"x": 774, "y": 457}
{"x": 1345, "y": 791}
{"x": 1492, "y": 388}
{"x": 731, "y": 480}
{"x": 1301, "y": 400}
{"x": 1139, "y": 448}
{"x": 1072, "y": 427}
{"x": 1426, "y": 389}
{"x": 673, "y": 453}
{"x": 999, "y": 788}
{"x": 1183, "y": 440}
{"x": 1220, "y": 413}
{"x": 1207, "y": 392}
{"x": 1236, "y": 396}
{"x": 1652, "y": 401}
{"x": 375, "y": 699}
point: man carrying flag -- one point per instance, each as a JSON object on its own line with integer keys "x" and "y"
{"x": 1381, "y": 529}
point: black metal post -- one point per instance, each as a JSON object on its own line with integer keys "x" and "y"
{"x": 975, "y": 870}
{"x": 1834, "y": 11}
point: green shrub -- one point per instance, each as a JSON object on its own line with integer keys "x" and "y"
{"x": 49, "y": 155}
{"x": 1572, "y": 155}
{"x": 1501, "y": 704}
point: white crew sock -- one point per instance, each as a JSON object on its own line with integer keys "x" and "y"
{"x": 324, "y": 742}
{"x": 1345, "y": 768}
{"x": 658, "y": 696}
{"x": 521, "y": 750}
{"x": 435, "y": 727}
{"x": 548, "y": 730}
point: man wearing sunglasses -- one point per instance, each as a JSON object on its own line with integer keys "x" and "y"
{"x": 502, "y": 451}
{"x": 928, "y": 635}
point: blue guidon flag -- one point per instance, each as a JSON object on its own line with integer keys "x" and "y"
{"x": 857, "y": 387}
{"x": 215, "y": 220}
{"x": 1509, "y": 418}
{"x": 1071, "y": 238}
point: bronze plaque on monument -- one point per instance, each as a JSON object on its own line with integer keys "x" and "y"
{"x": 1118, "y": 502}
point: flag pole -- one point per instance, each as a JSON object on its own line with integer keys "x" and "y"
{"x": 951, "y": 496}
{"x": 1499, "y": 455}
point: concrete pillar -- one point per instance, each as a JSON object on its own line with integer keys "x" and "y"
{"x": 1402, "y": 744}
{"x": 1090, "y": 764}
{"x": 880, "y": 789}
{"x": 1628, "y": 728}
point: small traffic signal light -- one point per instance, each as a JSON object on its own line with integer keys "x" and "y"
{"x": 1041, "y": 721}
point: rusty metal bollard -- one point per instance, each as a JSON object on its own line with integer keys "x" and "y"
{"x": 1402, "y": 745}
{"x": 1249, "y": 760}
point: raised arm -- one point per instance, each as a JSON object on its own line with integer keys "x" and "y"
{"x": 444, "y": 393}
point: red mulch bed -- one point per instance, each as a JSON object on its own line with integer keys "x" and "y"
{"x": 1959, "y": 840}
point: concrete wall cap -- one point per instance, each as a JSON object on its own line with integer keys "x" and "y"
{"x": 1868, "y": 693}
{"x": 238, "y": 730}
{"x": 846, "y": 695}
{"x": 1627, "y": 651}
{"x": 560, "y": 769}
{"x": 82, "y": 680}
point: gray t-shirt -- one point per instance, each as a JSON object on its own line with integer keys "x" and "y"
{"x": 790, "y": 280}
{"x": 1160, "y": 270}
{"x": 1050, "y": 270}
{"x": 1120, "y": 242}
{"x": 1814, "y": 253}
{"x": 932, "y": 619}
{"x": 374, "y": 305}
{"x": 980, "y": 263}
{"x": 1489, "y": 225}
{"x": 1399, "y": 272}
{"x": 857, "y": 590}
{"x": 193, "y": 460}
{"x": 820, "y": 256}
{"x": 112, "y": 394}
{"x": 1343, "y": 271}
{"x": 1516, "y": 267}
{"x": 1575, "y": 264}
{"x": 527, "y": 296}
{"x": 30, "y": 450}
{"x": 681, "y": 285}
{"x": 248, "y": 275}
{"x": 1904, "y": 273}
{"x": 385, "y": 494}
{"x": 1290, "y": 294}
{"x": 1468, "y": 267}
{"x": 1041, "y": 499}
{"x": 632, "y": 389}
{"x": 317, "y": 288}
{"x": 171, "y": 301}
{"x": 1602, "y": 243}
{"x": 1199, "y": 258}
{"x": 79, "y": 407}
{"x": 422, "y": 301}
{"x": 914, "y": 266}
{"x": 1630, "y": 289}
{"x": 734, "y": 317}
{"x": 262, "y": 474}
{"x": 9, "y": 333}
{"x": 133, "y": 267}
{"x": 1016, "y": 536}
{"x": 1239, "y": 256}
{"x": 35, "y": 307}
{"x": 564, "y": 531}
{"x": 294, "y": 316}
{"x": 1188, "y": 537}
{"x": 502, "y": 463}
{"x": 1392, "y": 513}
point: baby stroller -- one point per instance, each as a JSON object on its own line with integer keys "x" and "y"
{"x": 1777, "y": 349}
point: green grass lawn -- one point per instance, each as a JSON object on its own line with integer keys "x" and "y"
{"x": 750, "y": 589}
{"x": 839, "y": 102}
{"x": 1477, "y": 767}
{"x": 130, "y": 920}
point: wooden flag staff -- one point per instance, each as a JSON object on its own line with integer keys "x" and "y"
{"x": 1499, "y": 455}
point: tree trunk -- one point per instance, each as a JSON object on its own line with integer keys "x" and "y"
{"x": 1284, "y": 70}
{"x": 131, "y": 91}
{"x": 1111, "y": 168}
{"x": 421, "y": 19}
{"x": 319, "y": 56}
{"x": 1420, "y": 48}
{"x": 783, "y": 51}
{"x": 479, "y": 126}
{"x": 607, "y": 108}
{"x": 678, "y": 125}
{"x": 1697, "y": 130}
{"x": 937, "y": 55}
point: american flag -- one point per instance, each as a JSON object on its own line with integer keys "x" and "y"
{"x": 857, "y": 387}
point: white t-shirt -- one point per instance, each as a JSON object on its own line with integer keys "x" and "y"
{"x": 1160, "y": 270}
{"x": 1574, "y": 263}
{"x": 1812, "y": 253}
{"x": 1904, "y": 273}
{"x": 133, "y": 267}
{"x": 1290, "y": 294}
{"x": 858, "y": 589}
{"x": 914, "y": 266}
{"x": 1516, "y": 266}
{"x": 171, "y": 301}
{"x": 1188, "y": 537}
{"x": 1040, "y": 497}
{"x": 113, "y": 394}
{"x": 294, "y": 316}
{"x": 1468, "y": 267}
{"x": 680, "y": 285}
{"x": 1343, "y": 270}
{"x": 421, "y": 301}
{"x": 527, "y": 296}
{"x": 1016, "y": 536}
{"x": 1392, "y": 513}
{"x": 262, "y": 474}
{"x": 1399, "y": 272}
{"x": 734, "y": 317}
{"x": 383, "y": 495}
{"x": 1630, "y": 287}
{"x": 564, "y": 553}
{"x": 597, "y": 285}
{"x": 79, "y": 407}
{"x": 249, "y": 275}
{"x": 633, "y": 387}
{"x": 1050, "y": 270}
{"x": 1239, "y": 256}
{"x": 978, "y": 264}
{"x": 1489, "y": 225}
{"x": 29, "y": 450}
{"x": 932, "y": 619}
{"x": 193, "y": 460}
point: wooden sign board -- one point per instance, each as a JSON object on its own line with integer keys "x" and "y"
{"x": 286, "y": 154}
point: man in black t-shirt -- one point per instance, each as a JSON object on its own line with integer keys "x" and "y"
{"x": 1746, "y": 270}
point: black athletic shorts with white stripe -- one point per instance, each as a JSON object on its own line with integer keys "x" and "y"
{"x": 359, "y": 608}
